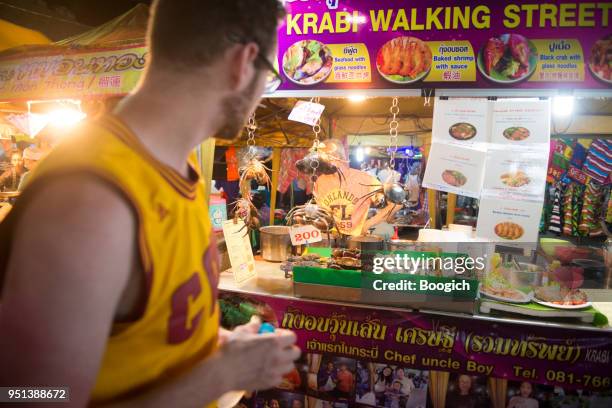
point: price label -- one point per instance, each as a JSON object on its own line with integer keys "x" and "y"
{"x": 306, "y": 112}
{"x": 307, "y": 234}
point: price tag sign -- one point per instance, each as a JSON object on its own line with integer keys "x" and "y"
{"x": 307, "y": 234}
{"x": 306, "y": 112}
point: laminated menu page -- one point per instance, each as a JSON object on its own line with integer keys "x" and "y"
{"x": 462, "y": 122}
{"x": 517, "y": 175}
{"x": 455, "y": 170}
{"x": 520, "y": 123}
{"x": 508, "y": 221}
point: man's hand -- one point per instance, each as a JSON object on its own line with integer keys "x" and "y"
{"x": 257, "y": 361}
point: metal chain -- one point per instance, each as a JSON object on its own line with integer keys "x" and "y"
{"x": 316, "y": 128}
{"x": 251, "y": 127}
{"x": 393, "y": 125}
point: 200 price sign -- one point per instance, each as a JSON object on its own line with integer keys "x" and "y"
{"x": 306, "y": 234}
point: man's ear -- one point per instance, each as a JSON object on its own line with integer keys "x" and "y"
{"x": 240, "y": 62}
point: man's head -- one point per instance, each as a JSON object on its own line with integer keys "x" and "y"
{"x": 220, "y": 46}
{"x": 274, "y": 404}
{"x": 399, "y": 373}
{"x": 296, "y": 404}
{"x": 16, "y": 159}
{"x": 465, "y": 384}
{"x": 330, "y": 366}
{"x": 31, "y": 157}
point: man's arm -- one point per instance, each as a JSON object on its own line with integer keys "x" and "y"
{"x": 73, "y": 251}
{"x": 72, "y": 256}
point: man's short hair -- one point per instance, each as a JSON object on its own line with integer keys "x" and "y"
{"x": 188, "y": 34}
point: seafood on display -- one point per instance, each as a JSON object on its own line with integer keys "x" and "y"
{"x": 318, "y": 162}
{"x": 311, "y": 214}
{"x": 245, "y": 210}
{"x": 388, "y": 193}
{"x": 253, "y": 170}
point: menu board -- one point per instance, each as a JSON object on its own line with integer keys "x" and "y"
{"x": 391, "y": 44}
{"x": 496, "y": 151}
{"x": 455, "y": 170}
{"x": 508, "y": 220}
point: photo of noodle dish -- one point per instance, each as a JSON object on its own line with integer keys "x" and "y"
{"x": 307, "y": 62}
{"x": 600, "y": 61}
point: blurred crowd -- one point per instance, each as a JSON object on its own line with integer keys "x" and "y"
{"x": 19, "y": 159}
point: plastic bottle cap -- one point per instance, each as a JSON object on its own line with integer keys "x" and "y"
{"x": 266, "y": 328}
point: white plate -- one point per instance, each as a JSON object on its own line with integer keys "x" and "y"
{"x": 527, "y": 297}
{"x": 562, "y": 307}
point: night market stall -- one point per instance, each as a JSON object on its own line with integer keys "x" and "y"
{"x": 476, "y": 136}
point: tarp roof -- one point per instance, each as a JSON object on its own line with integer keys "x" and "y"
{"x": 129, "y": 29}
{"x": 13, "y": 35}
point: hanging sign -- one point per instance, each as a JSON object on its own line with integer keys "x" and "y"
{"x": 306, "y": 112}
{"x": 392, "y": 44}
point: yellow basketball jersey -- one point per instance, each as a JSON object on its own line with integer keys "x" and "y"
{"x": 178, "y": 253}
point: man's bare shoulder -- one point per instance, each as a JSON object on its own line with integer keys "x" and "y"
{"x": 77, "y": 214}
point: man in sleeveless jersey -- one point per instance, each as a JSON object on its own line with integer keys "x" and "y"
{"x": 108, "y": 266}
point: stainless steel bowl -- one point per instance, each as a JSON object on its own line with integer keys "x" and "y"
{"x": 275, "y": 243}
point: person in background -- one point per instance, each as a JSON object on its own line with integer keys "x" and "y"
{"x": 273, "y": 403}
{"x": 327, "y": 377}
{"x": 7, "y": 148}
{"x": 291, "y": 381}
{"x": 393, "y": 395}
{"x": 259, "y": 202}
{"x": 463, "y": 396}
{"x": 9, "y": 180}
{"x": 524, "y": 399}
{"x": 31, "y": 157}
{"x": 346, "y": 380}
{"x": 407, "y": 384}
{"x": 296, "y": 403}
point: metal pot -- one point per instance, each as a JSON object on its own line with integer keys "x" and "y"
{"x": 368, "y": 243}
{"x": 275, "y": 243}
{"x": 403, "y": 245}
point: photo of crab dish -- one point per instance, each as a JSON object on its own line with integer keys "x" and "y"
{"x": 404, "y": 60}
{"x": 307, "y": 62}
{"x": 509, "y": 58}
{"x": 600, "y": 62}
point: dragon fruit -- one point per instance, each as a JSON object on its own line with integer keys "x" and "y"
{"x": 493, "y": 53}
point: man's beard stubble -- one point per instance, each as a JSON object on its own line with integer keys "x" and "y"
{"x": 235, "y": 113}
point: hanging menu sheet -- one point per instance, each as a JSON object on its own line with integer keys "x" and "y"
{"x": 513, "y": 175}
{"x": 521, "y": 123}
{"x": 508, "y": 220}
{"x": 455, "y": 170}
{"x": 496, "y": 151}
{"x": 462, "y": 122}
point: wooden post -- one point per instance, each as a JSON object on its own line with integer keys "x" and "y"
{"x": 206, "y": 156}
{"x": 451, "y": 203}
{"x": 431, "y": 194}
{"x": 276, "y": 159}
